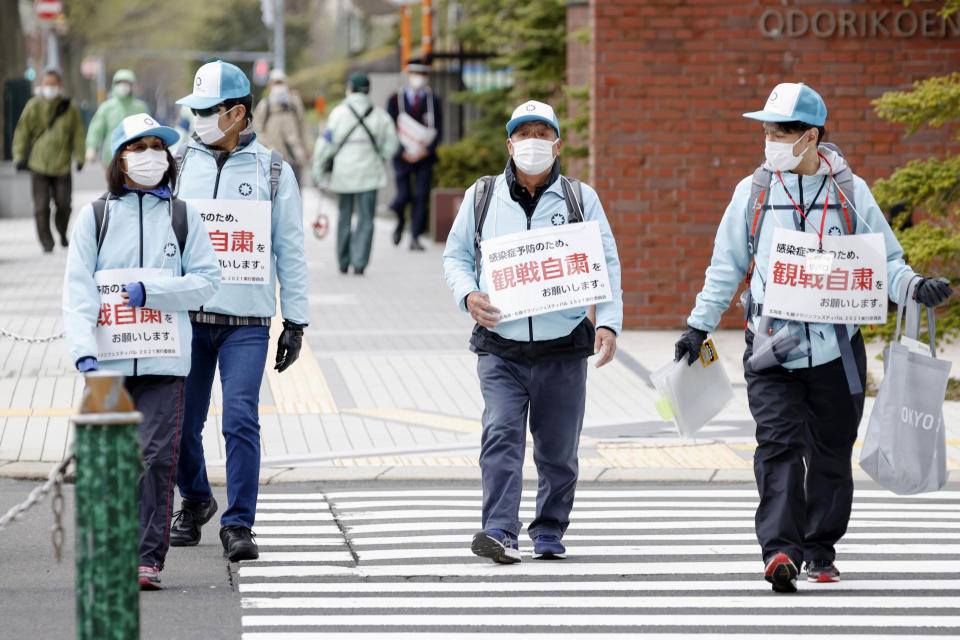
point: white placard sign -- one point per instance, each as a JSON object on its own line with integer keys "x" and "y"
{"x": 854, "y": 291}
{"x": 132, "y": 332}
{"x": 413, "y": 136}
{"x": 542, "y": 270}
{"x": 240, "y": 233}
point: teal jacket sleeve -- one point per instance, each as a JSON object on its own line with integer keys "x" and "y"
{"x": 201, "y": 273}
{"x": 731, "y": 259}
{"x": 872, "y": 220}
{"x": 459, "y": 254}
{"x": 609, "y": 314}
{"x": 287, "y": 240}
{"x": 97, "y": 131}
{"x": 81, "y": 300}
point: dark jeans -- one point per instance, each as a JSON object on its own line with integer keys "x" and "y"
{"x": 422, "y": 173}
{"x": 554, "y": 394}
{"x": 57, "y": 188}
{"x": 241, "y": 353}
{"x": 806, "y": 426}
{"x": 160, "y": 399}
{"x": 353, "y": 246}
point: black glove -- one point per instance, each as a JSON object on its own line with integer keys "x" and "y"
{"x": 288, "y": 346}
{"x": 689, "y": 345}
{"x": 932, "y": 291}
{"x": 22, "y": 165}
{"x": 79, "y": 166}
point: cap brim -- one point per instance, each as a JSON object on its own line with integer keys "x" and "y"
{"x": 199, "y": 102}
{"x": 516, "y": 122}
{"x": 768, "y": 116}
{"x": 169, "y": 136}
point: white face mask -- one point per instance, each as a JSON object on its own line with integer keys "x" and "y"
{"x": 417, "y": 82}
{"x": 146, "y": 167}
{"x": 49, "y": 92}
{"x": 208, "y": 128}
{"x": 533, "y": 156}
{"x": 780, "y": 155}
{"x": 122, "y": 89}
{"x": 279, "y": 93}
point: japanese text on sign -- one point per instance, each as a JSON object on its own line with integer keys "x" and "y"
{"x": 854, "y": 291}
{"x": 240, "y": 234}
{"x": 543, "y": 270}
{"x": 132, "y": 332}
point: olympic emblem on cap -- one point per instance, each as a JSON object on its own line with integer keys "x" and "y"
{"x": 773, "y": 97}
{"x": 531, "y": 107}
{"x": 198, "y": 82}
{"x": 149, "y": 121}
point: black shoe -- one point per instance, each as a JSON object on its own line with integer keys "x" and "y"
{"x": 193, "y": 514}
{"x": 822, "y": 571}
{"x": 398, "y": 232}
{"x": 48, "y": 249}
{"x": 358, "y": 270}
{"x": 343, "y": 269}
{"x": 415, "y": 244}
{"x": 238, "y": 543}
{"x": 64, "y": 242}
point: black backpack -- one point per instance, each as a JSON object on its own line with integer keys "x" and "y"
{"x": 178, "y": 220}
{"x": 483, "y": 194}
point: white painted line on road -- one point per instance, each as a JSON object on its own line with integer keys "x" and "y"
{"x": 555, "y": 619}
{"x": 473, "y": 524}
{"x": 381, "y": 493}
{"x": 706, "y": 537}
{"x": 305, "y": 556}
{"x": 385, "y": 589}
{"x": 624, "y": 603}
{"x": 473, "y": 567}
{"x": 294, "y": 541}
{"x": 303, "y": 529}
{"x": 580, "y": 505}
{"x": 621, "y": 514}
{"x": 538, "y": 635}
{"x": 625, "y": 552}
{"x": 315, "y": 516}
{"x": 304, "y": 506}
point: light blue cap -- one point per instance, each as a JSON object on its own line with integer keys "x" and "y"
{"x": 215, "y": 82}
{"x": 530, "y": 111}
{"x": 139, "y": 125}
{"x": 792, "y": 101}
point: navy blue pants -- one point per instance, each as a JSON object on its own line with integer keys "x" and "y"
{"x": 806, "y": 426}
{"x": 160, "y": 400}
{"x": 553, "y": 394}
{"x": 241, "y": 353}
{"x": 422, "y": 174}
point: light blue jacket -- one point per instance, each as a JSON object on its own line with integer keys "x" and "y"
{"x": 505, "y": 217}
{"x": 238, "y": 180}
{"x": 138, "y": 237}
{"x": 731, "y": 256}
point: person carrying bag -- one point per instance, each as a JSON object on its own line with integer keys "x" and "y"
{"x": 905, "y": 446}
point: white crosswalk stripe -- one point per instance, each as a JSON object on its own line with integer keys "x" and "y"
{"x": 665, "y": 563}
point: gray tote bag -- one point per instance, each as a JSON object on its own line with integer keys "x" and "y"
{"x": 905, "y": 446}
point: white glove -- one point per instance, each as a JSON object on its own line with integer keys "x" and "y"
{"x": 91, "y": 155}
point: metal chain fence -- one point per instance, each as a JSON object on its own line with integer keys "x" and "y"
{"x": 55, "y": 482}
{"x": 18, "y": 338}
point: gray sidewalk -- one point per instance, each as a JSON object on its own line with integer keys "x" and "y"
{"x": 385, "y": 388}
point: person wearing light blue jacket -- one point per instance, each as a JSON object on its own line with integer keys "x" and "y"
{"x": 808, "y": 401}
{"x": 224, "y": 162}
{"x": 535, "y": 365}
{"x": 138, "y": 229}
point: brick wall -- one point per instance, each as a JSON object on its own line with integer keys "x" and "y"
{"x": 669, "y": 82}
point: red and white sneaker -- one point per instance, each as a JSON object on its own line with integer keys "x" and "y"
{"x": 149, "y": 578}
{"x": 781, "y": 572}
{"x": 822, "y": 571}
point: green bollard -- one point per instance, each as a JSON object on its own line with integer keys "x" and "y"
{"x": 107, "y": 512}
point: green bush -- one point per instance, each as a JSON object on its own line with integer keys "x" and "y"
{"x": 472, "y": 157}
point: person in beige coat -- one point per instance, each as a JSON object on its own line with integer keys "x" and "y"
{"x": 279, "y": 123}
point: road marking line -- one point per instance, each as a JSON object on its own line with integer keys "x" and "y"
{"x": 358, "y": 505}
{"x": 304, "y": 556}
{"x": 620, "y": 514}
{"x": 538, "y": 635}
{"x": 599, "y": 493}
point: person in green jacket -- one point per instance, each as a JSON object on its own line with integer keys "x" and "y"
{"x": 111, "y": 113}
{"x": 360, "y": 138}
{"x": 49, "y": 129}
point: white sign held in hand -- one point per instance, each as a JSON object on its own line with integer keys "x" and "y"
{"x": 240, "y": 233}
{"x": 132, "y": 332}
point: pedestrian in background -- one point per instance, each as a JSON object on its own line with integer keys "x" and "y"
{"x": 233, "y": 175}
{"x": 141, "y": 227}
{"x": 49, "y": 131}
{"x": 534, "y": 366}
{"x": 121, "y": 103}
{"x": 358, "y": 141}
{"x": 808, "y": 407}
{"x": 279, "y": 122}
{"x": 417, "y": 114}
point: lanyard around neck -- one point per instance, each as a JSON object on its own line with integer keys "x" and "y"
{"x": 826, "y": 202}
